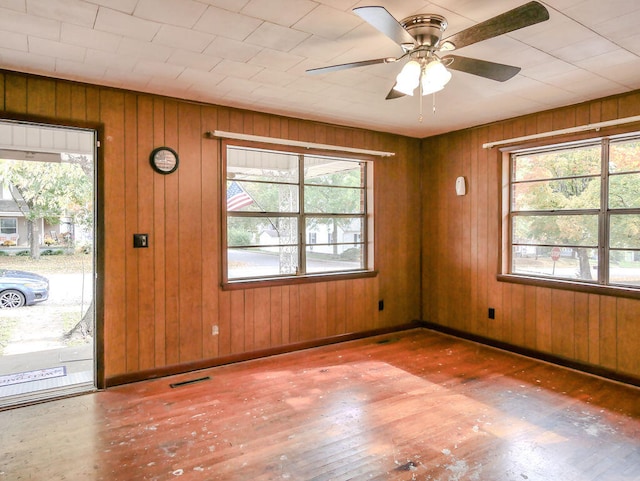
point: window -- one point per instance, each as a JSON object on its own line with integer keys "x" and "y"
{"x": 295, "y": 214}
{"x": 9, "y": 225}
{"x": 574, "y": 212}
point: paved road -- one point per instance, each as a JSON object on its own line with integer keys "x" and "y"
{"x": 266, "y": 264}
{"x": 40, "y": 327}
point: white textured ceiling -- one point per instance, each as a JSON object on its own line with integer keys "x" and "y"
{"x": 253, "y": 54}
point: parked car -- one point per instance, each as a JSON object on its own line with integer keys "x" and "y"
{"x": 20, "y": 288}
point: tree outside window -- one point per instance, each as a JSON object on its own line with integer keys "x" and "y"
{"x": 575, "y": 212}
{"x": 294, "y": 214}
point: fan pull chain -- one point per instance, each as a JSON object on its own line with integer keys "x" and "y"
{"x": 421, "y": 117}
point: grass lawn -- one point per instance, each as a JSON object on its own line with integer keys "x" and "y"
{"x": 75, "y": 263}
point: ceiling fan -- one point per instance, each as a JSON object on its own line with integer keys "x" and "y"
{"x": 420, "y": 37}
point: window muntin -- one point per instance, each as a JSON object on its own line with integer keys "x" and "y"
{"x": 294, "y": 214}
{"x": 571, "y": 203}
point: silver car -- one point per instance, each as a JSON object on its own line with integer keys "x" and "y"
{"x": 20, "y": 288}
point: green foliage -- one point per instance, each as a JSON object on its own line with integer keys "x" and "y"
{"x": 49, "y": 252}
{"x": 351, "y": 254}
{"x": 570, "y": 179}
{"x": 22, "y": 253}
{"x": 238, "y": 237}
{"x": 51, "y": 190}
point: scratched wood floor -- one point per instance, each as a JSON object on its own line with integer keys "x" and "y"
{"x": 416, "y": 405}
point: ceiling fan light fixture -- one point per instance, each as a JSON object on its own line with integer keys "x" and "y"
{"x": 408, "y": 78}
{"x": 430, "y": 88}
{"x": 434, "y": 77}
{"x": 447, "y": 47}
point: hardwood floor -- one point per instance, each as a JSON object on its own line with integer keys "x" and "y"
{"x": 416, "y": 405}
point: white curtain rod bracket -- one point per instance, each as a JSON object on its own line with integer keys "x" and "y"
{"x": 294, "y": 143}
{"x": 581, "y": 128}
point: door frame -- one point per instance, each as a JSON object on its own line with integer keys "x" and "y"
{"x": 98, "y": 236}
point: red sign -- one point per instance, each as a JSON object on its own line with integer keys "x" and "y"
{"x": 555, "y": 254}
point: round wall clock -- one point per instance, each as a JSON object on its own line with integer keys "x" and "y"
{"x": 164, "y": 160}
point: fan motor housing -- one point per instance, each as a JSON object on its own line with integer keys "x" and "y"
{"x": 426, "y": 29}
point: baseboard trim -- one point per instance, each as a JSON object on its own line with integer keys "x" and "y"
{"x": 149, "y": 374}
{"x": 532, "y": 353}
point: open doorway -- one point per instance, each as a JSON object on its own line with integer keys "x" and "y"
{"x": 47, "y": 261}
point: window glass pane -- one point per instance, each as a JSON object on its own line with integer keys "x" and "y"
{"x": 265, "y": 237}
{"x": 338, "y": 244}
{"x": 334, "y": 258}
{"x": 333, "y": 200}
{"x": 8, "y": 226}
{"x": 335, "y": 230}
{"x": 624, "y": 191}
{"x": 574, "y": 194}
{"x": 625, "y": 231}
{"x": 556, "y": 230}
{"x": 570, "y": 162}
{"x": 261, "y": 197}
{"x": 572, "y": 263}
{"x": 249, "y": 164}
{"x": 266, "y": 262}
{"x": 261, "y": 231}
{"x": 624, "y": 156}
{"x": 327, "y": 171}
{"x": 624, "y": 267}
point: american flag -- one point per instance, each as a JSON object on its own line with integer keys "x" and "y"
{"x": 237, "y": 198}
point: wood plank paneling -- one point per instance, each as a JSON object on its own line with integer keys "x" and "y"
{"x": 596, "y": 329}
{"x": 210, "y": 221}
{"x": 132, "y": 298}
{"x": 159, "y": 243}
{"x": 416, "y": 211}
{"x": 41, "y": 97}
{"x": 63, "y": 100}
{"x": 237, "y": 322}
{"x": 145, "y": 224}
{"x": 628, "y": 336}
{"x": 189, "y": 232}
{"x": 15, "y": 98}
{"x": 164, "y": 305}
{"x": 114, "y": 295}
{"x": 581, "y": 326}
{"x": 172, "y": 225}
{"x": 2, "y": 90}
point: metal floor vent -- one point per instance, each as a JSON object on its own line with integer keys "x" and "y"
{"x": 190, "y": 381}
{"x": 387, "y": 341}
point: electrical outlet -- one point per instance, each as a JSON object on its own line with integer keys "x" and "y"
{"x": 215, "y": 330}
{"x": 492, "y": 313}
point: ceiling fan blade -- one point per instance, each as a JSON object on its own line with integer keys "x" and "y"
{"x": 520, "y": 17}
{"x": 482, "y": 68}
{"x": 381, "y": 19}
{"x": 344, "y": 66}
{"x": 394, "y": 94}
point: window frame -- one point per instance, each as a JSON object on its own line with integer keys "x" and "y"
{"x": 303, "y": 243}
{"x": 15, "y": 222}
{"x": 602, "y": 284}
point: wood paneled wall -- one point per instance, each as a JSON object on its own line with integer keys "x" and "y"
{"x": 161, "y": 304}
{"x": 460, "y": 249}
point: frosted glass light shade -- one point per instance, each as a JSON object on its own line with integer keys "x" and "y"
{"x": 434, "y": 77}
{"x": 408, "y": 78}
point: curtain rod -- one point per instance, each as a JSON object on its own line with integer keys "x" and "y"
{"x": 570, "y": 130}
{"x": 296, "y": 143}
